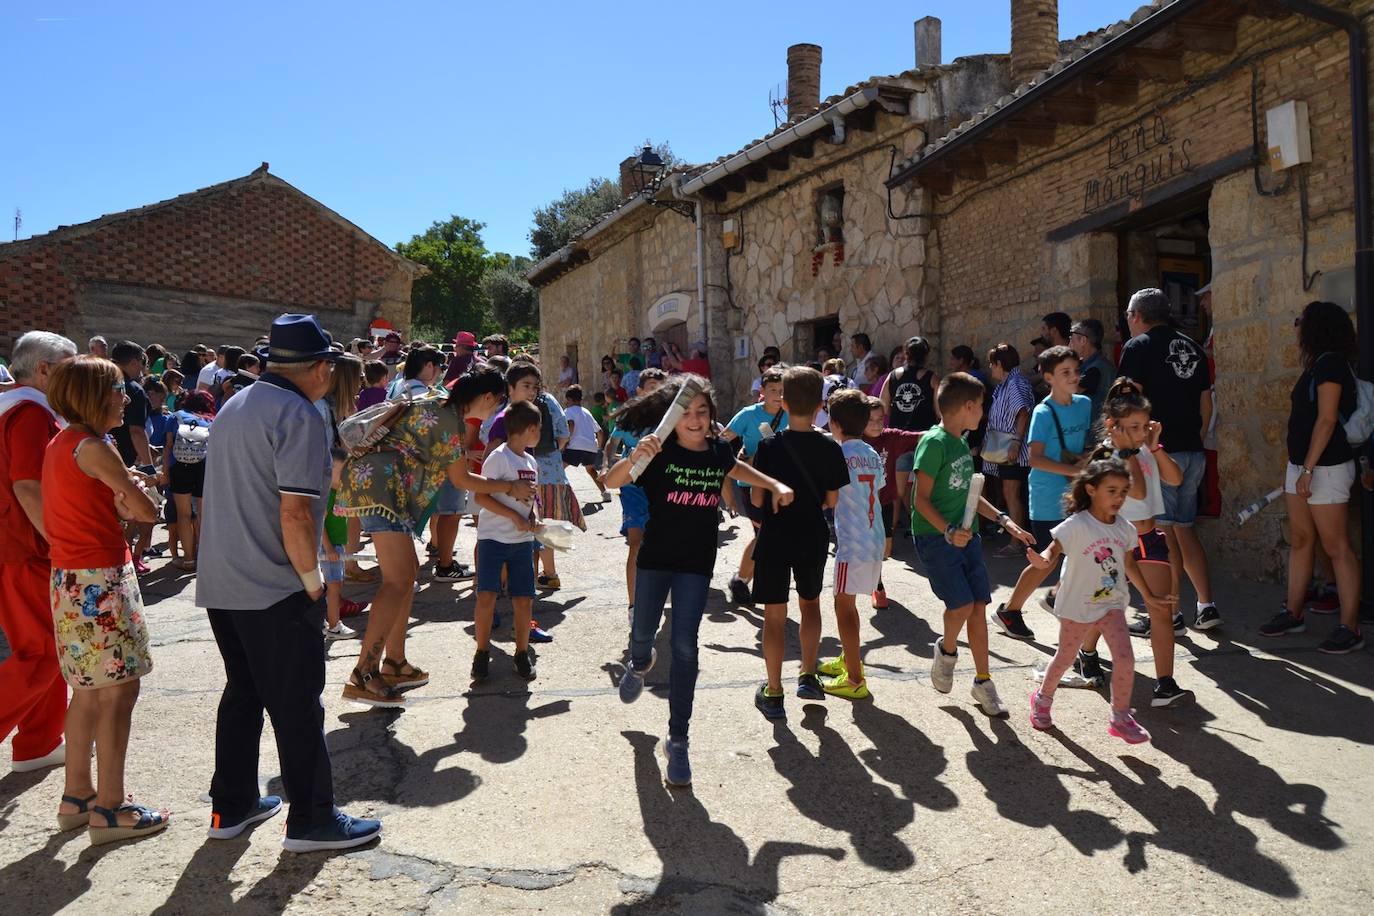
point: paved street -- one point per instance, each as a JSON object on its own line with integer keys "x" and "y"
{"x": 551, "y": 798}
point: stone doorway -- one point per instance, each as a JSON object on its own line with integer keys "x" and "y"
{"x": 809, "y": 336}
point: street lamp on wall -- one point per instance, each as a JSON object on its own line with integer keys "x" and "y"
{"x": 647, "y": 178}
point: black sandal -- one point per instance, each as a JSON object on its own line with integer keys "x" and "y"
{"x": 149, "y": 822}
{"x": 82, "y": 816}
{"x": 371, "y": 689}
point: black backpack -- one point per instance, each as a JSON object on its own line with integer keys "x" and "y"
{"x": 547, "y": 443}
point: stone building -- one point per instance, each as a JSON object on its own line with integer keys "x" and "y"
{"x": 964, "y": 201}
{"x": 213, "y": 266}
{"x": 1143, "y": 158}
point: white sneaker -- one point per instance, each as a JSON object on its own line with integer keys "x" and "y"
{"x": 53, "y": 758}
{"x": 340, "y": 630}
{"x": 942, "y": 670}
{"x": 986, "y": 695}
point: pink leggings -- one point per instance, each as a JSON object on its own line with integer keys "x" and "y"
{"x": 1113, "y": 628}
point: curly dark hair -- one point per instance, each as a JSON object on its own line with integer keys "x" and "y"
{"x": 1325, "y": 327}
{"x": 644, "y": 412}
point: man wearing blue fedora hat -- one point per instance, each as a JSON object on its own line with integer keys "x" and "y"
{"x": 267, "y": 472}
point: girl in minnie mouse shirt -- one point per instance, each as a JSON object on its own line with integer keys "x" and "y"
{"x": 1097, "y": 541}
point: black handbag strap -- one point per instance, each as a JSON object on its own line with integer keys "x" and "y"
{"x": 1058, "y": 427}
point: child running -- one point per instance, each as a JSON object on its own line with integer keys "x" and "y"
{"x": 683, "y": 484}
{"x": 1098, "y": 542}
{"x": 953, "y": 556}
{"x": 794, "y": 541}
{"x": 891, "y": 445}
{"x": 584, "y": 439}
{"x": 634, "y": 505}
{"x": 859, "y": 546}
{"x": 1133, "y": 437}
{"x": 505, "y": 527}
{"x": 1058, "y": 444}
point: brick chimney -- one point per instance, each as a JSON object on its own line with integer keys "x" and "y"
{"x": 803, "y": 80}
{"x": 627, "y": 181}
{"x": 1034, "y": 37}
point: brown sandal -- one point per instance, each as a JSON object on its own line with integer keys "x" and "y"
{"x": 371, "y": 689}
{"x": 403, "y": 674}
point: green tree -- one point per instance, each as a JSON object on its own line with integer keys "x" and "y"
{"x": 560, "y": 221}
{"x": 514, "y": 302}
{"x": 450, "y": 297}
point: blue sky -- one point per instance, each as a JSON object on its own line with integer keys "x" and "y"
{"x": 399, "y": 115}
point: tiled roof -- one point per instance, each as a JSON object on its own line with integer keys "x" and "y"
{"x": 258, "y": 175}
{"x": 1070, "y": 52}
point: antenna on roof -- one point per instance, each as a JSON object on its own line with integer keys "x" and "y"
{"x": 777, "y": 102}
{"x": 18, "y": 221}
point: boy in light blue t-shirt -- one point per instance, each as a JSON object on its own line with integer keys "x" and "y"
{"x": 747, "y": 427}
{"x": 1058, "y": 437}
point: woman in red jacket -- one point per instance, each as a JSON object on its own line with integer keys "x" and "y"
{"x": 102, "y": 644}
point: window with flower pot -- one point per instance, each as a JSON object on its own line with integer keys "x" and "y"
{"x": 829, "y": 226}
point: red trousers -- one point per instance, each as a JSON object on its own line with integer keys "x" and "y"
{"x": 33, "y": 696}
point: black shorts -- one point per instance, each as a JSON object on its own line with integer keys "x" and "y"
{"x": 579, "y": 458}
{"x": 1151, "y": 547}
{"x": 889, "y": 519}
{"x": 773, "y": 577}
{"x": 188, "y": 478}
{"x": 1013, "y": 471}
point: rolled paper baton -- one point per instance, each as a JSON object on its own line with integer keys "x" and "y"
{"x": 1250, "y": 511}
{"x": 685, "y": 396}
{"x": 766, "y": 430}
{"x": 975, "y": 493}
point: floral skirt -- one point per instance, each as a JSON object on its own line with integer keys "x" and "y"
{"x": 98, "y": 622}
{"x": 557, "y": 500}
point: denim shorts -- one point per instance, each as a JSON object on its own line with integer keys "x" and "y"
{"x": 331, "y": 570}
{"x": 634, "y": 508}
{"x": 451, "y": 500}
{"x": 745, "y": 506}
{"x": 379, "y": 524}
{"x": 906, "y": 463}
{"x": 958, "y": 576}
{"x": 1180, "y": 502}
{"x": 516, "y": 559}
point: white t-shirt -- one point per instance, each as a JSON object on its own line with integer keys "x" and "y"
{"x": 1094, "y": 580}
{"x": 859, "y": 536}
{"x": 584, "y": 428}
{"x": 1152, "y": 506}
{"x": 503, "y": 464}
{"x": 207, "y": 375}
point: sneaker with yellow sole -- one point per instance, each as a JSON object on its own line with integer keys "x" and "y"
{"x": 832, "y": 668}
{"x": 840, "y": 686}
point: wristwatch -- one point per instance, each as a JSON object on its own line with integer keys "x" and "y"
{"x": 949, "y": 530}
{"x": 1306, "y": 470}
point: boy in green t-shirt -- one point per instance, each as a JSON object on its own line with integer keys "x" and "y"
{"x": 953, "y": 556}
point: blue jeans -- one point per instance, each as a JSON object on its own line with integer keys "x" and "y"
{"x": 1180, "y": 502}
{"x": 689, "y": 601}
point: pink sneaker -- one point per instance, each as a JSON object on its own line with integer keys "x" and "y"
{"x": 1040, "y": 711}
{"x": 1124, "y": 726}
{"x": 141, "y": 568}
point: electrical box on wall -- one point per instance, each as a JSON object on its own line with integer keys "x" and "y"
{"x": 1290, "y": 136}
{"x": 729, "y": 238}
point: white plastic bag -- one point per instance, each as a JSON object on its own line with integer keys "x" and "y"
{"x": 556, "y": 533}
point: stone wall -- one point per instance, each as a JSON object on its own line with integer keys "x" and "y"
{"x": 599, "y": 305}
{"x": 878, "y": 284}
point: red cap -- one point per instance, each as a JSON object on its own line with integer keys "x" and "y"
{"x": 465, "y": 339}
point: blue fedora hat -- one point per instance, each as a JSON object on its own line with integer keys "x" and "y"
{"x": 298, "y": 339}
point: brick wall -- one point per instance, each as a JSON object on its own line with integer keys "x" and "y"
{"x": 257, "y": 239}
{"x": 999, "y": 271}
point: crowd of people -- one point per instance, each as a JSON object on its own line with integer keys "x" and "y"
{"x": 271, "y": 465}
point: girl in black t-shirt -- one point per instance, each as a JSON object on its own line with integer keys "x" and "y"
{"x": 1321, "y": 471}
{"x": 683, "y": 484}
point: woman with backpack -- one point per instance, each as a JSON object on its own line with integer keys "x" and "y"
{"x": 1321, "y": 471}
{"x": 392, "y": 486}
{"x": 184, "y": 459}
{"x": 908, "y": 396}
